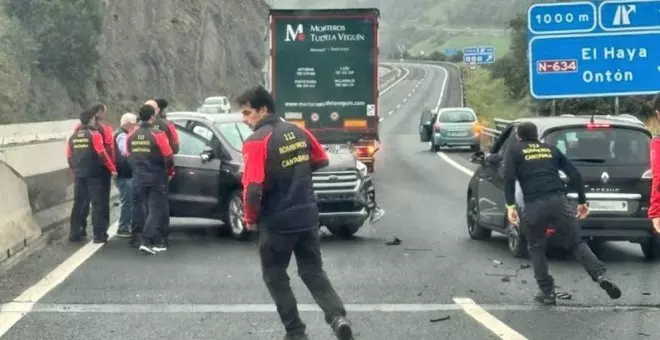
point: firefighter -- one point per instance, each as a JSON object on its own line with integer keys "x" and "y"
{"x": 151, "y": 159}
{"x": 124, "y": 181}
{"x": 536, "y": 166}
{"x": 105, "y": 129}
{"x": 279, "y": 159}
{"x": 169, "y": 128}
{"x": 89, "y": 162}
{"x": 654, "y": 206}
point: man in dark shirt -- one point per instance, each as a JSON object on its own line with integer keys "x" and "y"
{"x": 536, "y": 166}
{"x": 89, "y": 161}
{"x": 278, "y": 197}
{"x": 151, "y": 160}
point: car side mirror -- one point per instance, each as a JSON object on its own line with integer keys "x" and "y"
{"x": 207, "y": 154}
{"x": 478, "y": 157}
{"x": 493, "y": 158}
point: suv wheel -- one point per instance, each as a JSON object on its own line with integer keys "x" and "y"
{"x": 234, "y": 218}
{"x": 650, "y": 248}
{"x": 475, "y": 230}
{"x": 345, "y": 231}
{"x": 517, "y": 242}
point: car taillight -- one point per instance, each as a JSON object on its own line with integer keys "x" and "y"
{"x": 436, "y": 127}
{"x": 549, "y": 232}
{"x": 597, "y": 126}
{"x": 476, "y": 128}
{"x": 364, "y": 150}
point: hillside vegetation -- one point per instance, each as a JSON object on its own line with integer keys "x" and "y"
{"x": 57, "y": 56}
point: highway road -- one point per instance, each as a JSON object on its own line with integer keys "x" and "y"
{"x": 436, "y": 284}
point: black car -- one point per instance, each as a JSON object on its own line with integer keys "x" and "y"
{"x": 209, "y": 165}
{"x": 613, "y": 157}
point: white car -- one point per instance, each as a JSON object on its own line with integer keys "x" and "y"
{"x": 220, "y": 101}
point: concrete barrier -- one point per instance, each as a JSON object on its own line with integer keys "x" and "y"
{"x": 17, "y": 226}
{"x": 18, "y": 134}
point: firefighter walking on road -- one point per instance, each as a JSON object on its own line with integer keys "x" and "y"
{"x": 536, "y": 166}
{"x": 89, "y": 161}
{"x": 150, "y": 156}
{"x": 279, "y": 200}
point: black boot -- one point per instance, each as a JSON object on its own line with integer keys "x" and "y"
{"x": 548, "y": 299}
{"x": 342, "y": 328}
{"x": 609, "y": 286}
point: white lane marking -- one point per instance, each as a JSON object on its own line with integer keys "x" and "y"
{"x": 25, "y": 307}
{"x": 489, "y": 321}
{"x": 405, "y": 100}
{"x": 409, "y": 94}
{"x": 396, "y": 82}
{"x": 390, "y": 113}
{"x": 381, "y": 119}
{"x": 442, "y": 88}
{"x": 33, "y": 294}
{"x": 455, "y": 164}
{"x": 398, "y": 106}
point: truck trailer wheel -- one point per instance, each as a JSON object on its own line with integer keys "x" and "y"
{"x": 345, "y": 231}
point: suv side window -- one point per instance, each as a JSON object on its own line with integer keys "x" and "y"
{"x": 190, "y": 144}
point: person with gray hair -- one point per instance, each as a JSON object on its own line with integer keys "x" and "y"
{"x": 124, "y": 180}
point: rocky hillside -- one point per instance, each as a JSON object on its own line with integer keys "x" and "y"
{"x": 57, "y": 56}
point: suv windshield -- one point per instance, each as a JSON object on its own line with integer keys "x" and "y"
{"x": 614, "y": 146}
{"x": 456, "y": 117}
{"x": 234, "y": 133}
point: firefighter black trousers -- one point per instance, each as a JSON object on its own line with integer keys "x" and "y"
{"x": 104, "y": 191}
{"x": 154, "y": 208}
{"x": 275, "y": 252}
{"x": 556, "y": 211}
{"x": 88, "y": 190}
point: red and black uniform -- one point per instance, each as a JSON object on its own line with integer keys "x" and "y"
{"x": 654, "y": 205}
{"x": 169, "y": 128}
{"x": 89, "y": 162}
{"x": 105, "y": 129}
{"x": 279, "y": 159}
{"x": 151, "y": 159}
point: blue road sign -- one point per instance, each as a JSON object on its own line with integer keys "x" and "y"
{"x": 450, "y": 52}
{"x": 629, "y": 15}
{"x": 594, "y": 48}
{"x": 479, "y": 55}
{"x": 595, "y": 65}
{"x": 572, "y": 17}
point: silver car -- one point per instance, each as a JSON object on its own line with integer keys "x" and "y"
{"x": 450, "y": 126}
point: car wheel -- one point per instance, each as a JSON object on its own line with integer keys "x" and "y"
{"x": 235, "y": 217}
{"x": 650, "y": 248}
{"x": 517, "y": 242}
{"x": 345, "y": 231}
{"x": 475, "y": 148}
{"x": 475, "y": 230}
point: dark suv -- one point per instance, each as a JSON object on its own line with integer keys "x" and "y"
{"x": 613, "y": 157}
{"x": 207, "y": 183}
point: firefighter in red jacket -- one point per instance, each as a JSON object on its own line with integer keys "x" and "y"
{"x": 89, "y": 162}
{"x": 279, "y": 159}
{"x": 106, "y": 131}
{"x": 654, "y": 205}
{"x": 151, "y": 159}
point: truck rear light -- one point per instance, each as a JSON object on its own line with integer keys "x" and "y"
{"x": 364, "y": 150}
{"x": 436, "y": 127}
{"x": 355, "y": 123}
{"x": 647, "y": 174}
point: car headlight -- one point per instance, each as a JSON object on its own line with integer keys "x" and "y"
{"x": 362, "y": 168}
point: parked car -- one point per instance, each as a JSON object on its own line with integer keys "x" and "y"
{"x": 611, "y": 155}
{"x": 209, "y": 165}
{"x": 220, "y": 102}
{"x": 450, "y": 127}
{"x": 211, "y": 108}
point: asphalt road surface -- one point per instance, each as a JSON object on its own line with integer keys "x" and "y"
{"x": 437, "y": 284}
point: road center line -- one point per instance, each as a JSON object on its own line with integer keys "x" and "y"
{"x": 487, "y": 320}
{"x": 405, "y": 100}
{"x": 398, "y": 106}
{"x": 390, "y": 113}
